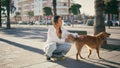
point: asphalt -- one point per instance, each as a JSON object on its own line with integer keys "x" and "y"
{"x": 22, "y": 47}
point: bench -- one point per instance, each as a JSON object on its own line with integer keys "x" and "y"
{"x": 79, "y": 32}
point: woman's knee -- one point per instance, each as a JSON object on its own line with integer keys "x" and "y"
{"x": 68, "y": 45}
{"x": 52, "y": 46}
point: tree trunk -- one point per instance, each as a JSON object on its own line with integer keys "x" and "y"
{"x": 108, "y": 16}
{"x": 99, "y": 24}
{"x": 0, "y": 16}
{"x": 8, "y": 13}
{"x": 29, "y": 20}
{"x": 54, "y": 7}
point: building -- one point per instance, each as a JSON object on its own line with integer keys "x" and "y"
{"x": 24, "y": 6}
{"x": 62, "y": 7}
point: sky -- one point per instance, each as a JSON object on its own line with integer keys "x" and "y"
{"x": 87, "y": 6}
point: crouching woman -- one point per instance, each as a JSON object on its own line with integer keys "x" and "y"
{"x": 56, "y": 39}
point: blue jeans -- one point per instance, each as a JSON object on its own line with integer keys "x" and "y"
{"x": 56, "y": 47}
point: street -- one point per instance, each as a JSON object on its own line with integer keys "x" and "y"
{"x": 22, "y": 47}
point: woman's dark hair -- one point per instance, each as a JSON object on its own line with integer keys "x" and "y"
{"x": 55, "y": 19}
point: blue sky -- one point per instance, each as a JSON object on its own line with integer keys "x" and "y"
{"x": 87, "y": 6}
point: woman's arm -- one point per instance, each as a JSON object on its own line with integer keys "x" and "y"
{"x": 74, "y": 34}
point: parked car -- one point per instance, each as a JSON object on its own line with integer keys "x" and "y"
{"x": 116, "y": 23}
{"x": 105, "y": 22}
{"x": 42, "y": 22}
{"x": 78, "y": 22}
{"x": 37, "y": 23}
{"x": 66, "y": 23}
{"x": 4, "y": 22}
{"x": 90, "y": 22}
{"x": 112, "y": 23}
{"x": 23, "y": 22}
{"x": 109, "y": 23}
{"x": 49, "y": 22}
{"x": 20, "y": 22}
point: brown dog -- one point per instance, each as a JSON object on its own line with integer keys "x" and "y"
{"x": 92, "y": 42}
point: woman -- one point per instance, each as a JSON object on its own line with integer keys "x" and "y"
{"x": 56, "y": 39}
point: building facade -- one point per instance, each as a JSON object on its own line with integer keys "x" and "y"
{"x": 24, "y": 6}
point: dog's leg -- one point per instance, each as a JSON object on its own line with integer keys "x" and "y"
{"x": 77, "y": 47}
{"x": 97, "y": 50}
{"x": 80, "y": 53}
{"x": 77, "y": 56}
{"x": 90, "y": 51}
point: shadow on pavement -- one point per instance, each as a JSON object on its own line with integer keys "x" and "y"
{"x": 105, "y": 62}
{"x": 27, "y": 33}
{"x": 36, "y": 50}
{"x": 72, "y": 63}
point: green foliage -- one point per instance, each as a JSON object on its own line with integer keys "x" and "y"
{"x": 17, "y": 13}
{"x": 30, "y": 13}
{"x": 111, "y": 6}
{"x": 3, "y": 3}
{"x": 47, "y": 11}
{"x": 3, "y": 6}
{"x": 75, "y": 9}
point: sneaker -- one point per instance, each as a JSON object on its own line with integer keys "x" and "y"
{"x": 48, "y": 58}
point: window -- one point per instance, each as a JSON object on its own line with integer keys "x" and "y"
{"x": 19, "y": 8}
{"x": 64, "y": 4}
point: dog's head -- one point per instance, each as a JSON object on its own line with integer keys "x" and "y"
{"x": 103, "y": 35}
{"x": 70, "y": 38}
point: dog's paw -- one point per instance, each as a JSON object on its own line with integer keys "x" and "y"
{"x": 81, "y": 57}
{"x": 76, "y": 59}
{"x": 88, "y": 56}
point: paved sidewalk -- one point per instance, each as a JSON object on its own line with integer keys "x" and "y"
{"x": 23, "y": 48}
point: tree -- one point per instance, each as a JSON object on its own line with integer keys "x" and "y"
{"x": 99, "y": 25}
{"x": 2, "y": 4}
{"x": 17, "y": 15}
{"x": 75, "y": 9}
{"x": 8, "y": 13}
{"x": 54, "y": 7}
{"x": 30, "y": 14}
{"x": 47, "y": 11}
{"x": 0, "y": 15}
{"x": 6, "y": 6}
{"x": 111, "y": 7}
